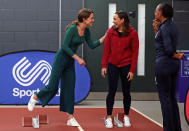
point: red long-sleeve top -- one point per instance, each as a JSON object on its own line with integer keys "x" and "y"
{"x": 121, "y": 51}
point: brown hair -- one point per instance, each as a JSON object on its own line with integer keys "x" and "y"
{"x": 126, "y": 28}
{"x": 82, "y": 14}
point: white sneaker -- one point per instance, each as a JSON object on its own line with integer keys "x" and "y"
{"x": 35, "y": 122}
{"x": 117, "y": 122}
{"x": 108, "y": 123}
{"x": 127, "y": 122}
{"x": 72, "y": 122}
{"x": 31, "y": 103}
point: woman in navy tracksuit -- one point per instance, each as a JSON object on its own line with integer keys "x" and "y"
{"x": 167, "y": 65}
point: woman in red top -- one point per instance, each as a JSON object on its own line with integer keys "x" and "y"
{"x": 119, "y": 58}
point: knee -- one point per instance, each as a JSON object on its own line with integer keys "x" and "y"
{"x": 165, "y": 100}
{"x": 110, "y": 96}
{"x": 53, "y": 90}
{"x": 111, "y": 93}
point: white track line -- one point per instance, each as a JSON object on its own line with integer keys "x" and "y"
{"x": 80, "y": 128}
{"x": 147, "y": 117}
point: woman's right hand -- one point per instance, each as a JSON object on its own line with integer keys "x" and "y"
{"x": 79, "y": 60}
{"x": 103, "y": 72}
{"x": 156, "y": 24}
{"x": 103, "y": 38}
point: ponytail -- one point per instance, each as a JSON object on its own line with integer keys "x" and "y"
{"x": 76, "y": 22}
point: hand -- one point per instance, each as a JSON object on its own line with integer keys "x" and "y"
{"x": 103, "y": 72}
{"x": 103, "y": 38}
{"x": 178, "y": 55}
{"x": 156, "y": 24}
{"x": 130, "y": 76}
{"x": 181, "y": 55}
{"x": 81, "y": 62}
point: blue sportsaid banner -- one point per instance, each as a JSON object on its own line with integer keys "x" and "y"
{"x": 183, "y": 77}
{"x": 25, "y": 73}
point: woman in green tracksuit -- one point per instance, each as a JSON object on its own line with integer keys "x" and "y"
{"x": 63, "y": 65}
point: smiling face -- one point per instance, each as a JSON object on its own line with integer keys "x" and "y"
{"x": 117, "y": 21}
{"x": 158, "y": 14}
{"x": 90, "y": 20}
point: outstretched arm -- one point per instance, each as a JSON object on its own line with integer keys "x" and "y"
{"x": 93, "y": 44}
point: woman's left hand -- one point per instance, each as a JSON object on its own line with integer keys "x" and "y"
{"x": 130, "y": 76}
{"x": 178, "y": 55}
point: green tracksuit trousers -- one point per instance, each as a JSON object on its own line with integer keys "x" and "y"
{"x": 63, "y": 69}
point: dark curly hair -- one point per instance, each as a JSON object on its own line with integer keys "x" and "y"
{"x": 166, "y": 9}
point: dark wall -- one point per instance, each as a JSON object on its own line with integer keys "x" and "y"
{"x": 34, "y": 24}
{"x": 70, "y": 10}
{"x": 28, "y": 24}
{"x": 181, "y": 18}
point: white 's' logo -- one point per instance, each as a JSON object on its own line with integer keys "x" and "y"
{"x": 26, "y": 79}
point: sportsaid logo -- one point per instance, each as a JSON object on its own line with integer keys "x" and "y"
{"x": 26, "y": 77}
{"x": 27, "y": 72}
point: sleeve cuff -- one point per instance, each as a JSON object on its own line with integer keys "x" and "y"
{"x": 104, "y": 66}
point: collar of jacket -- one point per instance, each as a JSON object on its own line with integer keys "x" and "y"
{"x": 114, "y": 32}
{"x": 166, "y": 21}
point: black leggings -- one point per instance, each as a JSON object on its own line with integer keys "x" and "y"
{"x": 113, "y": 77}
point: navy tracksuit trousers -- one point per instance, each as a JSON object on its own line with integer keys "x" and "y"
{"x": 166, "y": 71}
